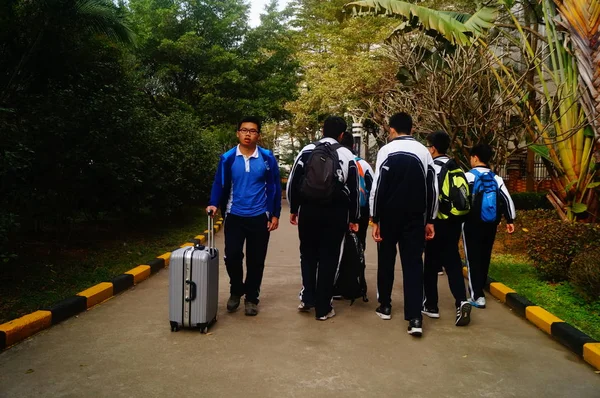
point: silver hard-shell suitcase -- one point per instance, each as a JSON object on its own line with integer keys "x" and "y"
{"x": 194, "y": 285}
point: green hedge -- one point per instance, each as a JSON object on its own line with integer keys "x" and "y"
{"x": 554, "y": 245}
{"x": 531, "y": 201}
{"x": 585, "y": 272}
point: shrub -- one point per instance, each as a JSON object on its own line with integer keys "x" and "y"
{"x": 585, "y": 272}
{"x": 531, "y": 201}
{"x": 554, "y": 245}
{"x": 526, "y": 222}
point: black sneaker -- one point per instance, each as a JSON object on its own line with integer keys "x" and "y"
{"x": 233, "y": 303}
{"x": 432, "y": 312}
{"x": 384, "y": 312}
{"x": 463, "y": 314}
{"x": 415, "y": 327}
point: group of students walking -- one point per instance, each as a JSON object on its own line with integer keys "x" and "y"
{"x": 417, "y": 199}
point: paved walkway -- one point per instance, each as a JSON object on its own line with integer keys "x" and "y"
{"x": 124, "y": 348}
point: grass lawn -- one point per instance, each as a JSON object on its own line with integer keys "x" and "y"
{"x": 560, "y": 299}
{"x": 51, "y": 268}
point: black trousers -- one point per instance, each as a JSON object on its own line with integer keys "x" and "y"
{"x": 253, "y": 231}
{"x": 408, "y": 233}
{"x": 322, "y": 232}
{"x": 479, "y": 238}
{"x": 363, "y": 227}
{"x": 443, "y": 250}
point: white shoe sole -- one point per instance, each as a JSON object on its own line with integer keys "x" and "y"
{"x": 431, "y": 314}
{"x": 474, "y": 304}
{"x": 331, "y": 314}
{"x": 383, "y": 316}
{"x": 304, "y": 309}
{"x": 417, "y": 332}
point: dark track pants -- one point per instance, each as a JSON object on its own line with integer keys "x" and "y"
{"x": 479, "y": 238}
{"x": 363, "y": 227}
{"x": 253, "y": 231}
{"x": 443, "y": 250}
{"x": 322, "y": 232}
{"x": 409, "y": 234}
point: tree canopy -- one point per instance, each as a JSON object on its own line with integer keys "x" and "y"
{"x": 114, "y": 109}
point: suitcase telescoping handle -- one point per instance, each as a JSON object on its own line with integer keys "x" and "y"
{"x": 192, "y": 291}
{"x": 211, "y": 232}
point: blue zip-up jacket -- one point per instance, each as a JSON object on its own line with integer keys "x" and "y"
{"x": 221, "y": 189}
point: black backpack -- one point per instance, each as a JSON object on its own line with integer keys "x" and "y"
{"x": 350, "y": 282}
{"x": 322, "y": 180}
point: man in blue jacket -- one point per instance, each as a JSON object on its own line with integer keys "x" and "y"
{"x": 247, "y": 189}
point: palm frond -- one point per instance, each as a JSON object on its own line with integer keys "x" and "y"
{"x": 457, "y": 28}
{"x": 102, "y": 18}
{"x": 581, "y": 18}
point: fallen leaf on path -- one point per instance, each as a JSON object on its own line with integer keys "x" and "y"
{"x": 464, "y": 356}
{"x": 29, "y": 371}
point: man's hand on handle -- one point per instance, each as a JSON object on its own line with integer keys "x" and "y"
{"x": 211, "y": 211}
{"x": 510, "y": 228}
{"x": 353, "y": 227}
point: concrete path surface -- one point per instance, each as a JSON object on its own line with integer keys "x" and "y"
{"x": 124, "y": 348}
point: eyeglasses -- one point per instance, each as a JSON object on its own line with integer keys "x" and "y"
{"x": 248, "y": 131}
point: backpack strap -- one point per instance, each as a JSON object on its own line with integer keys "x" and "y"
{"x": 335, "y": 146}
{"x": 359, "y": 167}
{"x": 442, "y": 175}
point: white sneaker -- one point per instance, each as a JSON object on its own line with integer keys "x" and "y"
{"x": 330, "y": 314}
{"x": 304, "y": 307}
{"x": 479, "y": 303}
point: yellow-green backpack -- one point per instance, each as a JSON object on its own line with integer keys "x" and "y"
{"x": 453, "y": 190}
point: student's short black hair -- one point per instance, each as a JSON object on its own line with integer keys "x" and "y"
{"x": 440, "y": 140}
{"x": 401, "y": 122}
{"x": 347, "y": 140}
{"x": 483, "y": 151}
{"x": 334, "y": 126}
{"x": 250, "y": 119}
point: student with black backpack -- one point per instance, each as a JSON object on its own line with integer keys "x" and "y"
{"x": 324, "y": 202}
{"x": 453, "y": 206}
{"x": 489, "y": 201}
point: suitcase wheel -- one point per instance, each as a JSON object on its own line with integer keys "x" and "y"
{"x": 174, "y": 327}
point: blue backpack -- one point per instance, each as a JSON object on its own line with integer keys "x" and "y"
{"x": 485, "y": 195}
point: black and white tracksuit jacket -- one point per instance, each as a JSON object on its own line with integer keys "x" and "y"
{"x": 350, "y": 190}
{"x": 405, "y": 181}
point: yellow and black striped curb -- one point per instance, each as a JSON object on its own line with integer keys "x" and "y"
{"x": 568, "y": 335}
{"x": 19, "y": 329}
